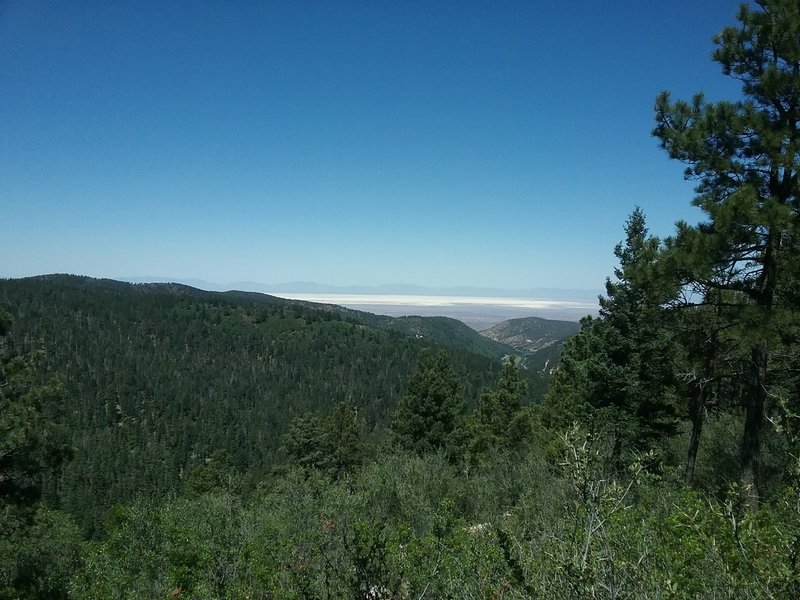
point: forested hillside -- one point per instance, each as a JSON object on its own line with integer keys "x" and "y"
{"x": 158, "y": 377}
{"x": 448, "y": 332}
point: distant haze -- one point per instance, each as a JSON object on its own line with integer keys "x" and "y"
{"x": 479, "y": 308}
{"x": 479, "y": 312}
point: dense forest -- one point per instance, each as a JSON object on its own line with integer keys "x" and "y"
{"x": 162, "y": 442}
{"x": 159, "y": 377}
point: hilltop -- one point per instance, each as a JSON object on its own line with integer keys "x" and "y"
{"x": 538, "y": 341}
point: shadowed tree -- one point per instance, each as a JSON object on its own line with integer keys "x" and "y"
{"x": 37, "y": 547}
{"x": 333, "y": 445}
{"x": 30, "y": 445}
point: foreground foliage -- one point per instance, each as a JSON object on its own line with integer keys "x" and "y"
{"x": 408, "y": 527}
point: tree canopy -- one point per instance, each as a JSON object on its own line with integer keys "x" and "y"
{"x": 430, "y": 417}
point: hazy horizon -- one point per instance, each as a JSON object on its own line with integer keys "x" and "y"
{"x": 478, "y": 307}
{"x": 389, "y": 287}
{"x": 477, "y": 312}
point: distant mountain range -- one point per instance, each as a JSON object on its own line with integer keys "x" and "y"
{"x": 444, "y": 331}
{"x": 536, "y": 341}
{"x": 480, "y": 308}
{"x": 307, "y": 287}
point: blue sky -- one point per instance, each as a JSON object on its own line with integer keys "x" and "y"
{"x": 440, "y": 143}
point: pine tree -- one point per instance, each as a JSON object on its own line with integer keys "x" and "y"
{"x": 343, "y": 430}
{"x": 617, "y": 373}
{"x": 215, "y": 474}
{"x": 30, "y": 445}
{"x": 333, "y": 445}
{"x": 496, "y": 423}
{"x": 745, "y": 157}
{"x": 305, "y": 441}
{"x": 430, "y": 416}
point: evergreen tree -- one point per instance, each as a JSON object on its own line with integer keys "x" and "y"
{"x": 745, "y": 156}
{"x": 30, "y": 445}
{"x": 497, "y": 422}
{"x": 710, "y": 362}
{"x": 617, "y": 373}
{"x": 333, "y": 445}
{"x": 215, "y": 474}
{"x": 344, "y": 432}
{"x": 305, "y": 441}
{"x": 37, "y": 546}
{"x": 430, "y": 416}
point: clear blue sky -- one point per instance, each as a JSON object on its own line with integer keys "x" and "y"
{"x": 496, "y": 144}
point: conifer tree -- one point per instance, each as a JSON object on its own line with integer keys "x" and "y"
{"x": 29, "y": 444}
{"x": 333, "y": 445}
{"x": 215, "y": 474}
{"x": 616, "y": 374}
{"x": 344, "y": 431}
{"x": 305, "y": 441}
{"x": 745, "y": 157}
{"x": 430, "y": 416}
{"x": 496, "y": 423}
{"x": 30, "y": 447}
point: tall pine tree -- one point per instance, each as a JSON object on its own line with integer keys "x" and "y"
{"x": 745, "y": 157}
{"x": 616, "y": 375}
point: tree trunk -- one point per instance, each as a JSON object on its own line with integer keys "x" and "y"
{"x": 697, "y": 408}
{"x": 753, "y": 417}
{"x": 756, "y": 380}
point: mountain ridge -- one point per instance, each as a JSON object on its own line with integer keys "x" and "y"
{"x": 531, "y": 338}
